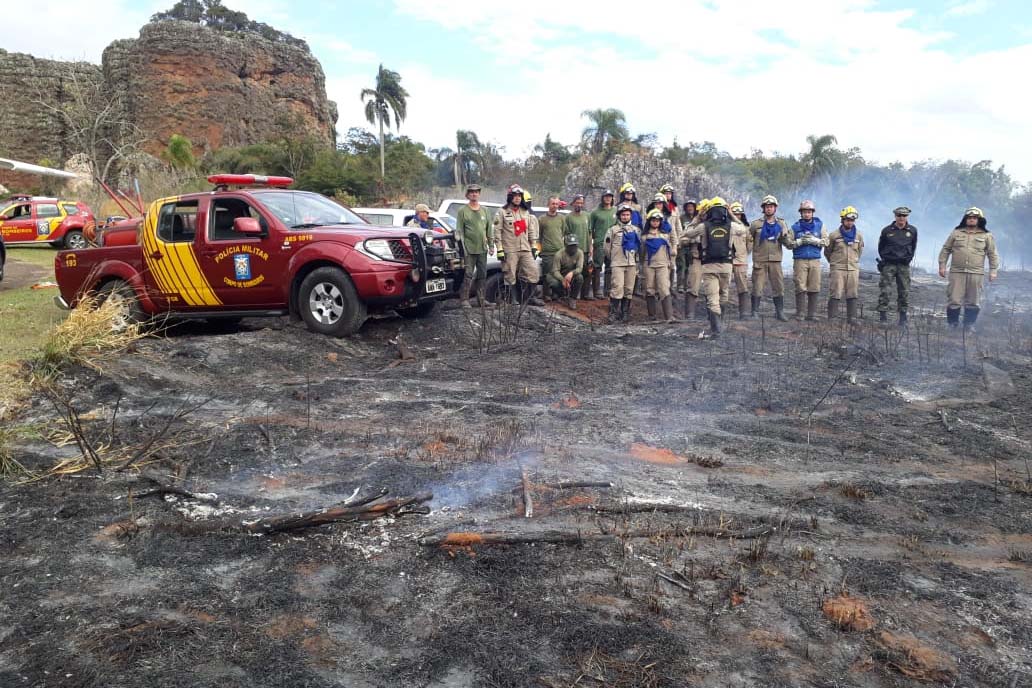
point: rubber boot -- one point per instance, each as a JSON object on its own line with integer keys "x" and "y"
{"x": 614, "y": 311}
{"x": 668, "y": 308}
{"x": 811, "y": 305}
{"x": 571, "y": 303}
{"x": 754, "y": 307}
{"x": 970, "y": 316}
{"x": 743, "y": 311}
{"x": 608, "y": 281}
{"x": 464, "y": 293}
{"x": 627, "y": 309}
{"x": 953, "y": 317}
{"x": 851, "y": 309}
{"x": 833, "y": 305}
{"x": 689, "y": 306}
{"x": 529, "y": 297}
{"x": 779, "y": 309}
{"x": 596, "y": 280}
{"x": 800, "y": 305}
{"x": 902, "y": 319}
{"x": 650, "y": 306}
{"x": 883, "y": 317}
{"x": 714, "y": 323}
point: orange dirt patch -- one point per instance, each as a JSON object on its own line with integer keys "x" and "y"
{"x": 848, "y": 613}
{"x": 767, "y": 639}
{"x": 332, "y": 357}
{"x": 912, "y": 658}
{"x": 115, "y": 532}
{"x": 577, "y": 500}
{"x": 462, "y": 539}
{"x": 288, "y": 624}
{"x": 645, "y": 452}
{"x": 567, "y": 402}
{"x": 203, "y": 617}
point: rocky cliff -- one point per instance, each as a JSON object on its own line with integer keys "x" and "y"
{"x": 216, "y": 88}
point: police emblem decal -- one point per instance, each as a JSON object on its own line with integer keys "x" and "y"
{"x": 242, "y": 266}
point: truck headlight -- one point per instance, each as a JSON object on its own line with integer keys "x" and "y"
{"x": 428, "y": 239}
{"x": 378, "y": 248}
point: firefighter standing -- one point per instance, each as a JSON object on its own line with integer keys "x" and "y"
{"x": 844, "y": 248}
{"x": 566, "y": 273}
{"x": 769, "y": 234}
{"x": 742, "y": 240}
{"x": 551, "y": 227}
{"x": 659, "y": 257}
{"x": 966, "y": 250}
{"x": 629, "y": 197}
{"x": 897, "y": 246}
{"x": 601, "y": 219}
{"x": 687, "y": 217}
{"x": 808, "y": 240}
{"x": 691, "y": 246}
{"x": 516, "y": 230}
{"x": 717, "y": 250}
{"x": 622, "y": 243}
{"x": 474, "y": 234}
{"x": 576, "y": 222}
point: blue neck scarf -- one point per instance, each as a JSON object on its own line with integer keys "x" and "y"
{"x": 849, "y": 236}
{"x": 631, "y": 242}
{"x": 770, "y": 231}
{"x": 655, "y": 244}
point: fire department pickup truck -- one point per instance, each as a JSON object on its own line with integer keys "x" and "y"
{"x": 247, "y": 251}
{"x": 34, "y": 219}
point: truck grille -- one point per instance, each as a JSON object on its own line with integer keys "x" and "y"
{"x": 400, "y": 250}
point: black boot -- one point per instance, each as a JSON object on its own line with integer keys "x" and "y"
{"x": 883, "y": 317}
{"x": 970, "y": 316}
{"x": 668, "y": 309}
{"x": 811, "y": 305}
{"x": 779, "y": 309}
{"x": 755, "y": 303}
{"x": 902, "y": 318}
{"x": 851, "y": 308}
{"x": 800, "y": 305}
{"x": 714, "y": 323}
{"x": 614, "y": 311}
{"x": 743, "y": 300}
{"x": 626, "y": 309}
{"x": 650, "y": 306}
{"x": 528, "y": 295}
{"x": 833, "y": 308}
{"x": 689, "y": 306}
{"x": 953, "y": 317}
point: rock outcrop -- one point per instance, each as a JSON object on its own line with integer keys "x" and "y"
{"x": 647, "y": 172}
{"x": 217, "y": 88}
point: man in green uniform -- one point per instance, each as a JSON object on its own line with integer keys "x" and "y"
{"x": 475, "y": 237}
{"x": 576, "y": 223}
{"x": 567, "y": 273}
{"x": 601, "y": 219}
{"x": 551, "y": 227}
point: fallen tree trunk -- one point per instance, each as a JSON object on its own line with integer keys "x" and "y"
{"x": 349, "y": 511}
{"x": 470, "y": 539}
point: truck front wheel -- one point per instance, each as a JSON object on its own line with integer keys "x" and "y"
{"x": 123, "y": 294}
{"x": 329, "y": 303}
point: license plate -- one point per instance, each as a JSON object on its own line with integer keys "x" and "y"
{"x": 436, "y": 285}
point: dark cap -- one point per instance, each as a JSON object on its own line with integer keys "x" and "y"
{"x": 580, "y": 196}
{"x": 902, "y": 210}
{"x": 571, "y": 240}
{"x": 472, "y": 187}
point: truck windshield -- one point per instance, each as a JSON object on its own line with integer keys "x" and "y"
{"x": 305, "y": 210}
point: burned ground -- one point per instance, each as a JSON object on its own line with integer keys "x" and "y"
{"x": 835, "y": 466}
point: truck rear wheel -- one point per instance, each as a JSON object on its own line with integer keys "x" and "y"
{"x": 329, "y": 303}
{"x": 130, "y": 310}
{"x": 75, "y": 241}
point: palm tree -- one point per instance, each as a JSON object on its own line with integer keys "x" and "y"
{"x": 388, "y": 96}
{"x": 607, "y": 126}
{"x": 823, "y": 159}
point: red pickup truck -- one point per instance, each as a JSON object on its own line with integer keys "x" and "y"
{"x": 248, "y": 251}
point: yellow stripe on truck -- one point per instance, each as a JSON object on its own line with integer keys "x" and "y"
{"x": 178, "y": 271}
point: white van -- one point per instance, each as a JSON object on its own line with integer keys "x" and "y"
{"x": 399, "y": 217}
{"x": 450, "y": 207}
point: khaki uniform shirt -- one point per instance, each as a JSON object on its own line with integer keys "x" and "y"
{"x": 505, "y": 230}
{"x": 843, "y": 256}
{"x": 969, "y": 250}
{"x": 619, "y": 258}
{"x": 769, "y": 251}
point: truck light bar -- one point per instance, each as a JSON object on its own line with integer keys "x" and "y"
{"x": 224, "y": 181}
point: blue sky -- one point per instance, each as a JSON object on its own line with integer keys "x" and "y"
{"x": 902, "y": 80}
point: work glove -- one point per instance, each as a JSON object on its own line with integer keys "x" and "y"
{"x": 501, "y": 254}
{"x": 534, "y": 252}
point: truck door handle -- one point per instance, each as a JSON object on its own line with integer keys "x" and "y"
{"x": 157, "y": 255}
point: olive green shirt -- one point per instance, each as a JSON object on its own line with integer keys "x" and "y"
{"x": 473, "y": 228}
{"x": 551, "y": 234}
{"x": 600, "y": 220}
{"x": 577, "y": 225}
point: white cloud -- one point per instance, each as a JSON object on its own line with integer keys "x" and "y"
{"x": 969, "y": 9}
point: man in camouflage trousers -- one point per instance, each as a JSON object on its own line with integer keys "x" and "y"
{"x": 897, "y": 246}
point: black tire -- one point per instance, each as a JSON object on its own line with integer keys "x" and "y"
{"x": 3, "y": 263}
{"x": 120, "y": 289}
{"x": 493, "y": 285}
{"x": 75, "y": 241}
{"x": 423, "y": 310}
{"x": 329, "y": 303}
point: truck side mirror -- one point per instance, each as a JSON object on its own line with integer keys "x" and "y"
{"x": 247, "y": 226}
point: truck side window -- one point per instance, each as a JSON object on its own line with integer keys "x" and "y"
{"x": 221, "y": 215}
{"x": 177, "y": 222}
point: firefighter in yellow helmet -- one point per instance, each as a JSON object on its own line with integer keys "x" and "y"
{"x": 770, "y": 234}
{"x": 966, "y": 250}
{"x": 516, "y": 230}
{"x": 845, "y": 246}
{"x": 743, "y": 247}
{"x": 659, "y": 256}
{"x": 717, "y": 251}
{"x": 808, "y": 239}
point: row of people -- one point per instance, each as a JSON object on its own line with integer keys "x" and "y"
{"x": 701, "y": 249}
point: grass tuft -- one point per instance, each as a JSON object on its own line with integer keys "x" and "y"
{"x": 91, "y": 331}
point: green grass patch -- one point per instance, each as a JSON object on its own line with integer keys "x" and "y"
{"x": 37, "y": 255}
{"x": 27, "y": 317}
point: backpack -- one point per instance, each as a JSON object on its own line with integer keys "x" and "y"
{"x": 718, "y": 244}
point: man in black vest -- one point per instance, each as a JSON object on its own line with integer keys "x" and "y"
{"x": 896, "y": 248}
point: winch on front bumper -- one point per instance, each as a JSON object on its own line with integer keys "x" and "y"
{"x": 437, "y": 271}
